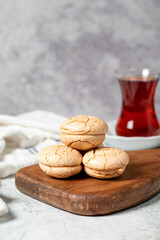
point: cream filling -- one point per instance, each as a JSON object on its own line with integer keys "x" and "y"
{"x": 47, "y": 165}
{"x": 116, "y": 171}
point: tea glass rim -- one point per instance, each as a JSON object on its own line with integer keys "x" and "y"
{"x": 144, "y": 73}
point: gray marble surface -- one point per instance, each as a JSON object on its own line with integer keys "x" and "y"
{"x": 62, "y": 55}
{"x": 29, "y": 219}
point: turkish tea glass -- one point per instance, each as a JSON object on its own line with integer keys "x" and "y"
{"x": 138, "y": 117}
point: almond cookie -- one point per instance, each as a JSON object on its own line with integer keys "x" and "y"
{"x": 105, "y": 162}
{"x": 60, "y": 161}
{"x": 83, "y": 132}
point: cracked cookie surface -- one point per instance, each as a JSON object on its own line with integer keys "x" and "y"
{"x": 59, "y": 156}
{"x": 105, "y": 162}
{"x": 83, "y": 124}
{"x": 60, "y": 172}
{"x": 83, "y": 132}
{"x": 60, "y": 160}
{"x": 104, "y": 174}
{"x": 82, "y": 142}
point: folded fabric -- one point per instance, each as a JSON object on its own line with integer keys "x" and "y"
{"x": 3, "y": 207}
{"x": 21, "y": 138}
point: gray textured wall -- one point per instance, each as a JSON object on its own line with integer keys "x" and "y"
{"x": 61, "y": 55}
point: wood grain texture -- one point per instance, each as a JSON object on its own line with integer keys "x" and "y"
{"x": 84, "y": 195}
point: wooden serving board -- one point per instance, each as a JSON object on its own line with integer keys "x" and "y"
{"x": 84, "y": 195}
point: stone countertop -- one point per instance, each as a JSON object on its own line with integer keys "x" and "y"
{"x": 31, "y": 219}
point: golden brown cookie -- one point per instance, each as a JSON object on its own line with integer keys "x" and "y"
{"x": 60, "y": 161}
{"x": 105, "y": 162}
{"x": 83, "y": 132}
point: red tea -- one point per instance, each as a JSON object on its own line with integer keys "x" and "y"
{"x": 138, "y": 117}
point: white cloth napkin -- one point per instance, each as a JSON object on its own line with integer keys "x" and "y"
{"x": 21, "y": 138}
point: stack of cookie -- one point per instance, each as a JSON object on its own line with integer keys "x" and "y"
{"x": 82, "y": 137}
